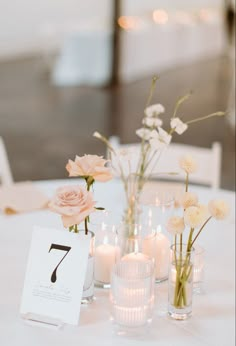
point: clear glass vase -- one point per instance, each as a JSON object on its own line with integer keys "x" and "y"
{"x": 134, "y": 186}
{"x": 180, "y": 284}
{"x": 88, "y": 288}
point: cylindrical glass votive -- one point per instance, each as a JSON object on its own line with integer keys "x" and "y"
{"x": 156, "y": 210}
{"x": 145, "y": 240}
{"x": 198, "y": 270}
{"x": 132, "y": 292}
{"x": 180, "y": 284}
{"x": 105, "y": 254}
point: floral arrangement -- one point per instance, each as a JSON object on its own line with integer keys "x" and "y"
{"x": 195, "y": 217}
{"x": 154, "y": 139}
{"x": 75, "y": 203}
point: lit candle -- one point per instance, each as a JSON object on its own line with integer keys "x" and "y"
{"x": 105, "y": 257}
{"x": 131, "y": 316}
{"x": 132, "y": 292}
{"x": 158, "y": 247}
{"x": 198, "y": 269}
{"x": 135, "y": 256}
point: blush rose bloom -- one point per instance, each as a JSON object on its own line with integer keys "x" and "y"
{"x": 73, "y": 203}
{"x": 89, "y": 165}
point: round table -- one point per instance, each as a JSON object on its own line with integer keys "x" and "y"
{"x": 212, "y": 322}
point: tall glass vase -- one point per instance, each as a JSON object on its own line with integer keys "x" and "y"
{"x": 133, "y": 189}
{"x": 180, "y": 290}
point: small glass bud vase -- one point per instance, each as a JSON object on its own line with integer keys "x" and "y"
{"x": 199, "y": 270}
{"x": 180, "y": 291}
{"x": 156, "y": 208}
{"x": 88, "y": 288}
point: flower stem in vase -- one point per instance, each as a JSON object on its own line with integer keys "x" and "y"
{"x": 180, "y": 282}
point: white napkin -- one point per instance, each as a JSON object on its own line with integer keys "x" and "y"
{"x": 21, "y": 197}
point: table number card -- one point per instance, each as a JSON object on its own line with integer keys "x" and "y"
{"x": 55, "y": 276}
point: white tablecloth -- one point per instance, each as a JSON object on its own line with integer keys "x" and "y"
{"x": 212, "y": 322}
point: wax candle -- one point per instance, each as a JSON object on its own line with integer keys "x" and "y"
{"x": 105, "y": 256}
{"x": 198, "y": 269}
{"x": 131, "y": 316}
{"x": 132, "y": 290}
{"x": 158, "y": 247}
{"x": 135, "y": 256}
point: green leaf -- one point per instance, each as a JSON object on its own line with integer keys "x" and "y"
{"x": 99, "y": 208}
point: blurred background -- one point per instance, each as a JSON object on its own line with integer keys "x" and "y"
{"x": 68, "y": 68}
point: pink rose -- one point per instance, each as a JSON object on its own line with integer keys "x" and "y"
{"x": 73, "y": 203}
{"x": 89, "y": 165}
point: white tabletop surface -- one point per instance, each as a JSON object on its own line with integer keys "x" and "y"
{"x": 213, "y": 317}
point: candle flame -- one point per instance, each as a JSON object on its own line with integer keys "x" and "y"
{"x": 105, "y": 240}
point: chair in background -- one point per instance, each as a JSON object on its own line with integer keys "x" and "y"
{"x": 208, "y": 160}
{"x": 5, "y": 170}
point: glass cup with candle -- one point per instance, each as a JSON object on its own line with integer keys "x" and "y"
{"x": 105, "y": 254}
{"x": 133, "y": 239}
{"x": 132, "y": 292}
{"x": 103, "y": 225}
{"x": 198, "y": 269}
{"x": 156, "y": 209}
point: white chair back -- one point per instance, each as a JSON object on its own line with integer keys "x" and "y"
{"x": 208, "y": 160}
{"x": 5, "y": 170}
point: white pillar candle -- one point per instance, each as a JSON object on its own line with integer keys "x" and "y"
{"x": 162, "y": 255}
{"x": 132, "y": 292}
{"x": 105, "y": 257}
{"x": 199, "y": 259}
{"x": 198, "y": 269}
{"x": 158, "y": 247}
{"x": 131, "y": 316}
{"x": 135, "y": 256}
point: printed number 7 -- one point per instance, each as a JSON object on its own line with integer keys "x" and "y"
{"x": 62, "y": 248}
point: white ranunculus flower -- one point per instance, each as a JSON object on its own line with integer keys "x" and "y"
{"x": 159, "y": 139}
{"x": 154, "y": 110}
{"x": 152, "y": 122}
{"x": 218, "y": 208}
{"x": 188, "y": 164}
{"x": 175, "y": 225}
{"x": 178, "y": 125}
{"x": 195, "y": 216}
{"x": 188, "y": 199}
{"x": 144, "y": 133}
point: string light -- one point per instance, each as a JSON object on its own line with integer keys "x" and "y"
{"x": 160, "y": 16}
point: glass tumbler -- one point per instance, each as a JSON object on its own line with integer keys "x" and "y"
{"x": 105, "y": 254}
{"x": 198, "y": 270}
{"x": 132, "y": 292}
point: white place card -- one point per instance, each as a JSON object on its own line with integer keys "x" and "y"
{"x": 55, "y": 276}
